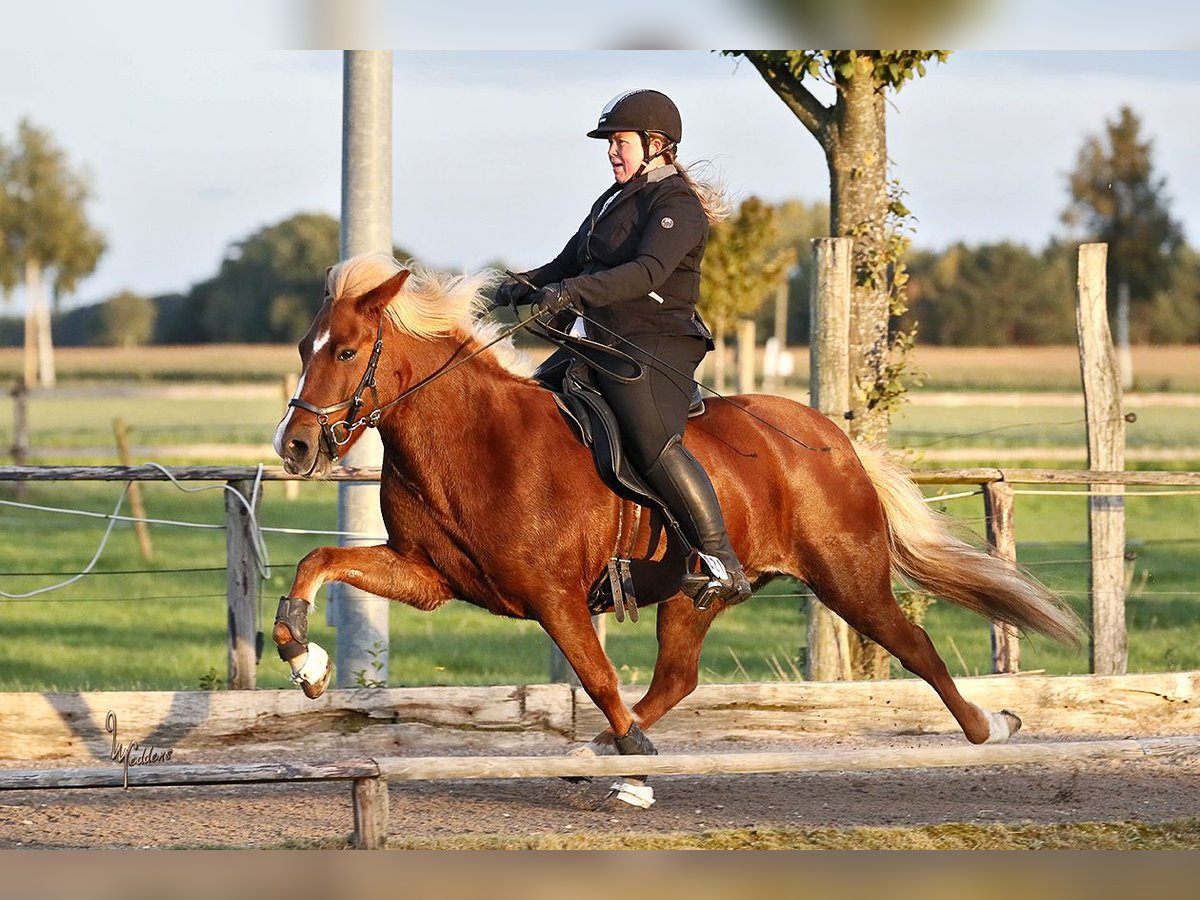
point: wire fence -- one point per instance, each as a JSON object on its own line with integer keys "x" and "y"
{"x": 115, "y": 516}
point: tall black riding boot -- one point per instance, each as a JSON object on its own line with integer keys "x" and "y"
{"x": 684, "y": 486}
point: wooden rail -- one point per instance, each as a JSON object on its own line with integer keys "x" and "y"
{"x": 370, "y": 777}
{"x": 980, "y": 476}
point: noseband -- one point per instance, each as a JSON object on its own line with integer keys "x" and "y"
{"x": 330, "y": 431}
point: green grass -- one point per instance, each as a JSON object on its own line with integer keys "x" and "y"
{"x": 136, "y": 625}
{"x": 917, "y": 427}
{"x": 161, "y": 628}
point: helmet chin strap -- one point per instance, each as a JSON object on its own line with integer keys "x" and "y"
{"x": 647, "y": 156}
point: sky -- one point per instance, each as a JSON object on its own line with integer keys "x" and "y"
{"x": 189, "y": 150}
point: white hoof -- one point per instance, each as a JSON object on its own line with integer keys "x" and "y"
{"x": 1001, "y": 726}
{"x": 634, "y": 793}
{"x": 311, "y": 670}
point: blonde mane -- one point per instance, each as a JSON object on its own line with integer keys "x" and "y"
{"x": 431, "y": 304}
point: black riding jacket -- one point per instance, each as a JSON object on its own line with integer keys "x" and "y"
{"x": 634, "y": 263}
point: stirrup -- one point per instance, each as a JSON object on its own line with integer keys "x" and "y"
{"x": 732, "y": 587}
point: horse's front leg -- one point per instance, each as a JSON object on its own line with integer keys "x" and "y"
{"x": 378, "y": 570}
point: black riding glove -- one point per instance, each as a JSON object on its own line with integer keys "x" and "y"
{"x": 510, "y": 293}
{"x": 553, "y": 298}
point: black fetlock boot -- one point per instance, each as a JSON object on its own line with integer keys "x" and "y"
{"x": 684, "y": 486}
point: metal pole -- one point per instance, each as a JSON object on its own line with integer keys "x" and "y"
{"x": 361, "y": 619}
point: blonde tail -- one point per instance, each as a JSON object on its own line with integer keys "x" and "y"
{"x": 927, "y": 554}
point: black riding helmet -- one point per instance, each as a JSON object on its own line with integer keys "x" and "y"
{"x": 645, "y": 112}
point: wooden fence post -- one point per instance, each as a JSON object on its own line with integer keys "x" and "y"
{"x": 241, "y": 585}
{"x": 371, "y": 813}
{"x": 828, "y": 657}
{"x": 746, "y": 356}
{"x": 1106, "y": 452}
{"x": 140, "y": 528}
{"x": 20, "y": 446}
{"x": 998, "y": 510}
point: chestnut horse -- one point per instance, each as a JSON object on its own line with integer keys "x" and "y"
{"x": 488, "y": 497}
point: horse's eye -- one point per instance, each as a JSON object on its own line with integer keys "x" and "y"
{"x": 348, "y": 354}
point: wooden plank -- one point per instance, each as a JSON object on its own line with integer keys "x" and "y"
{"x": 370, "y": 776}
{"x": 276, "y": 473}
{"x": 181, "y": 473}
{"x": 171, "y": 775}
{"x": 53, "y": 725}
{"x": 1106, "y": 452}
{"x": 998, "y": 510}
{"x": 37, "y": 726}
{"x": 864, "y": 759}
{"x": 241, "y": 582}
{"x": 1055, "y": 476}
{"x": 1150, "y": 704}
{"x": 828, "y": 654}
{"x": 369, "y": 798}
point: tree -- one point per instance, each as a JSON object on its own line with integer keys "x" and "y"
{"x": 799, "y": 224}
{"x": 47, "y": 236}
{"x": 863, "y": 204}
{"x": 126, "y": 320}
{"x": 743, "y": 265}
{"x": 1117, "y": 199}
{"x": 993, "y": 295}
{"x": 270, "y": 284}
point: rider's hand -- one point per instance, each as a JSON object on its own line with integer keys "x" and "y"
{"x": 552, "y": 298}
{"x": 510, "y": 293}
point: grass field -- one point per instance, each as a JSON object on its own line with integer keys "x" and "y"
{"x": 1159, "y": 368}
{"x": 162, "y": 625}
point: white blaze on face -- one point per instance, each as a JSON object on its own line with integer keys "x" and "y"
{"x": 321, "y": 340}
{"x": 287, "y": 418}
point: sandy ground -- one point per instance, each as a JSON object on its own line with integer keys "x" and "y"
{"x": 1144, "y": 790}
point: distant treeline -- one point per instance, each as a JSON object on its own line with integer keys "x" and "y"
{"x": 1006, "y": 294}
{"x": 270, "y": 286}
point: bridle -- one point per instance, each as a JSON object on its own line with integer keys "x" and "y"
{"x": 329, "y": 431}
{"x": 335, "y": 435}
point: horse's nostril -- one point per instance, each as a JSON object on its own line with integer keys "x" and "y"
{"x": 297, "y": 449}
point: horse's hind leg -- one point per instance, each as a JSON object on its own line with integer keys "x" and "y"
{"x": 861, "y": 593}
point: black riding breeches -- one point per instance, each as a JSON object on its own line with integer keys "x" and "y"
{"x": 654, "y": 409}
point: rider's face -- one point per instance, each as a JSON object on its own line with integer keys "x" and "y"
{"x": 626, "y": 155}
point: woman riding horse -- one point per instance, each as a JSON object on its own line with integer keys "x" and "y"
{"x": 487, "y": 497}
{"x": 633, "y": 271}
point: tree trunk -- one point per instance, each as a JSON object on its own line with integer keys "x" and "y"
{"x": 857, "y": 158}
{"x": 39, "y": 345}
{"x": 33, "y": 287}
{"x": 857, "y": 161}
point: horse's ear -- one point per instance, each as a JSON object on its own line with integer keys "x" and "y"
{"x": 377, "y": 298}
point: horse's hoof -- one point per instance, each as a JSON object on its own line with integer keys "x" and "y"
{"x": 316, "y": 689}
{"x": 313, "y": 676}
{"x": 632, "y": 792}
{"x": 585, "y": 750}
{"x": 1001, "y": 726}
{"x": 1014, "y": 721}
